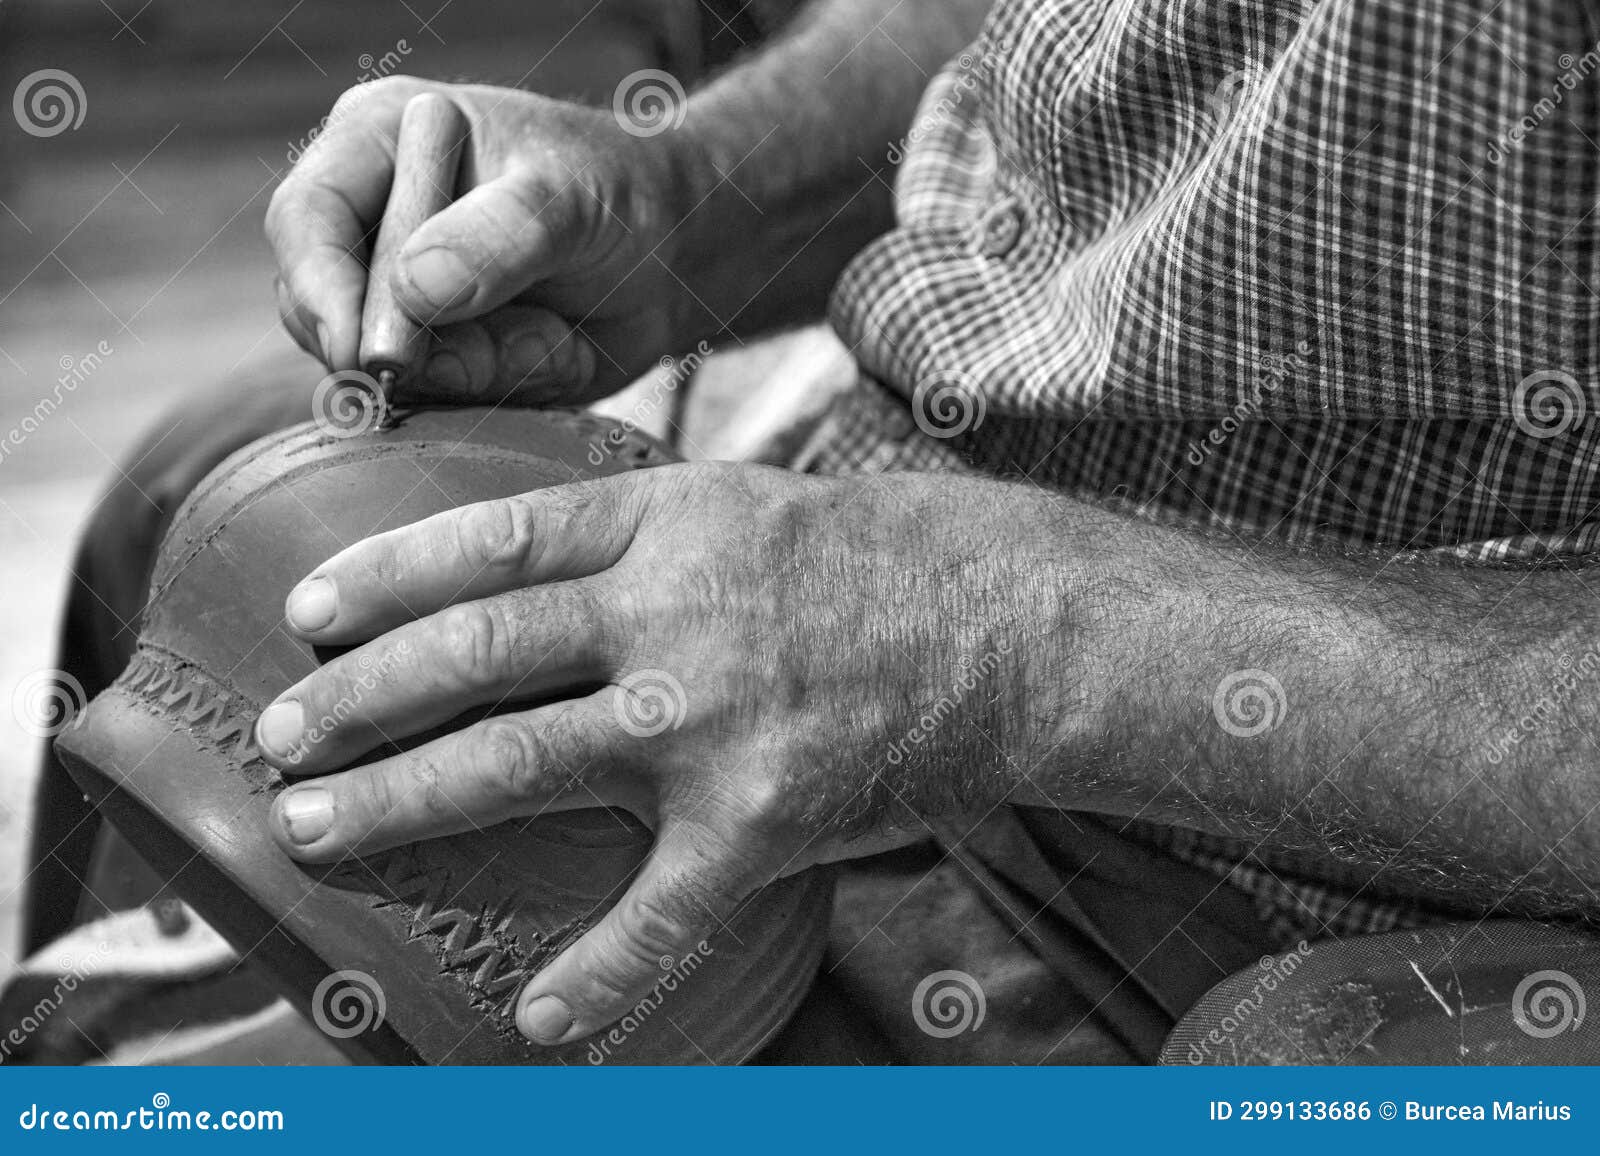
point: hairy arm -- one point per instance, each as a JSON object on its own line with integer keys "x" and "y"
{"x": 1429, "y": 722}
{"x": 792, "y": 175}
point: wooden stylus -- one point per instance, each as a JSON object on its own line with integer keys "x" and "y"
{"x": 427, "y": 156}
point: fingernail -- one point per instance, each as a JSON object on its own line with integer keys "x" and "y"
{"x": 312, "y": 604}
{"x": 307, "y": 813}
{"x": 545, "y": 1020}
{"x": 280, "y": 728}
{"x": 446, "y": 370}
{"x": 324, "y": 340}
{"x": 440, "y": 277}
{"x": 530, "y": 357}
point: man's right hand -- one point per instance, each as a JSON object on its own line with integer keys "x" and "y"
{"x": 550, "y": 279}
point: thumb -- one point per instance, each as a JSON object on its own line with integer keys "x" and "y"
{"x": 486, "y": 248}
{"x": 684, "y": 894}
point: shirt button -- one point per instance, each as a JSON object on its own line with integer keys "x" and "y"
{"x": 1001, "y": 228}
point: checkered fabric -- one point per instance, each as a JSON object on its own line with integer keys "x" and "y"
{"x": 1319, "y": 270}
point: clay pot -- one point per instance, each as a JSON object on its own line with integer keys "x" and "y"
{"x": 441, "y": 936}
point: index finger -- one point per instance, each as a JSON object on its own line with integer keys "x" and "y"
{"x": 320, "y": 220}
{"x": 470, "y": 552}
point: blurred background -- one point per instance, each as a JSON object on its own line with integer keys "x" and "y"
{"x": 138, "y": 151}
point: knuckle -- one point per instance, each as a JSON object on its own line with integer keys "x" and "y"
{"x": 510, "y": 758}
{"x": 606, "y": 609}
{"x": 651, "y": 930}
{"x": 477, "y": 642}
{"x": 526, "y": 199}
{"x": 768, "y": 809}
{"x": 499, "y": 535}
{"x": 622, "y": 962}
{"x": 609, "y": 983}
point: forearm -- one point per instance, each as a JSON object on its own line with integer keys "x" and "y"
{"x": 793, "y": 146}
{"x": 1433, "y": 721}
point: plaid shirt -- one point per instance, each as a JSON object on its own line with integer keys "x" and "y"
{"x": 1312, "y": 269}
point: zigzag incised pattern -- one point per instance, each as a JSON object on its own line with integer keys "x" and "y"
{"x": 213, "y": 714}
{"x": 476, "y": 948}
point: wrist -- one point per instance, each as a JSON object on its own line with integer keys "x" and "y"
{"x": 1082, "y": 631}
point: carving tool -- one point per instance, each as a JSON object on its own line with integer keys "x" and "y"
{"x": 433, "y": 131}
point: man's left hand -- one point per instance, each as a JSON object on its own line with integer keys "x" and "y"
{"x": 770, "y": 671}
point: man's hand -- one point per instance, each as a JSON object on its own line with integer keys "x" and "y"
{"x": 549, "y": 280}
{"x": 585, "y": 245}
{"x": 789, "y": 670}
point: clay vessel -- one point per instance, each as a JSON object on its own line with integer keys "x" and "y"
{"x": 440, "y": 937}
